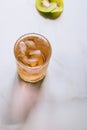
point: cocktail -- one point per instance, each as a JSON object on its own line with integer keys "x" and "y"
{"x": 32, "y": 52}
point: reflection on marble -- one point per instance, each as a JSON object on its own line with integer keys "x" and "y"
{"x": 23, "y": 99}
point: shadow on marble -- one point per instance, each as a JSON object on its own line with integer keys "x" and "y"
{"x": 22, "y": 98}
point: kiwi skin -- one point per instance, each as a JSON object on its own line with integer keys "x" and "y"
{"x": 50, "y": 15}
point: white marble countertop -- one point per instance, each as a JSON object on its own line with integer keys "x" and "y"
{"x": 59, "y": 102}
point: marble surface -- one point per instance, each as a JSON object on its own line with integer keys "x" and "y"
{"x": 59, "y": 102}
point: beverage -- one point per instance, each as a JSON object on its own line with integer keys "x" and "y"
{"x": 32, "y": 52}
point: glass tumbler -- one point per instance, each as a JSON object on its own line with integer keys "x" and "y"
{"x": 32, "y": 52}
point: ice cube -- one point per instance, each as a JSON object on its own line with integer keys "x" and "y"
{"x": 25, "y": 60}
{"x": 35, "y": 58}
{"x": 33, "y": 62}
{"x": 30, "y": 44}
{"x": 39, "y": 58}
{"x": 38, "y": 55}
{"x": 30, "y": 61}
{"x": 22, "y": 47}
{"x": 35, "y": 52}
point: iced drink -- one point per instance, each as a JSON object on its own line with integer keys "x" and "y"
{"x": 32, "y": 52}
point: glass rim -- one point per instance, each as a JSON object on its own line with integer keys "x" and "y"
{"x": 25, "y": 36}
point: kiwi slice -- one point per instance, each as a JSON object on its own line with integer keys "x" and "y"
{"x": 45, "y": 6}
{"x": 50, "y": 8}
